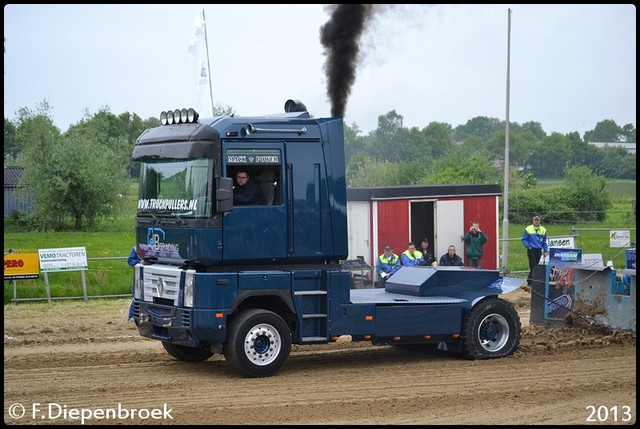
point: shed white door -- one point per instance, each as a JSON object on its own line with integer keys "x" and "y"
{"x": 358, "y": 224}
{"x": 449, "y": 227}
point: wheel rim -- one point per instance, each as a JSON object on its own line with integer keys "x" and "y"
{"x": 262, "y": 344}
{"x": 493, "y": 332}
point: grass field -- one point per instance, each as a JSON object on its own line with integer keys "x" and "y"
{"x": 108, "y": 248}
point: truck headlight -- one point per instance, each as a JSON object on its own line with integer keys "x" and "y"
{"x": 189, "y": 280}
{"x": 137, "y": 281}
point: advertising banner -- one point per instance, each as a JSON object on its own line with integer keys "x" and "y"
{"x": 63, "y": 259}
{"x": 619, "y": 238}
{"x": 560, "y": 288}
{"x": 20, "y": 266}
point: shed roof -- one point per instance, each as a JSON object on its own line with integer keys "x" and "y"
{"x": 12, "y": 175}
{"x": 420, "y": 191}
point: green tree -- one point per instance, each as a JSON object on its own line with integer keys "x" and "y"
{"x": 606, "y": 131}
{"x": 615, "y": 163}
{"x": 587, "y": 193}
{"x": 550, "y": 157}
{"x": 629, "y": 133}
{"x": 521, "y": 146}
{"x": 35, "y": 131}
{"x": 459, "y": 167}
{"x": 71, "y": 177}
{"x": 438, "y": 139}
{"x": 480, "y": 126}
{"x": 353, "y": 142}
{"x": 11, "y": 149}
{"x": 119, "y": 133}
{"x": 535, "y": 128}
{"x": 384, "y": 139}
{"x": 578, "y": 149}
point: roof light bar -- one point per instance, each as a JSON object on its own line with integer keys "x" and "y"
{"x": 179, "y": 116}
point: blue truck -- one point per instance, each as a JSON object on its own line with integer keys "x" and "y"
{"x": 248, "y": 281}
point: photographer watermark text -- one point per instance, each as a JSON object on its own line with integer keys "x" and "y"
{"x": 53, "y": 411}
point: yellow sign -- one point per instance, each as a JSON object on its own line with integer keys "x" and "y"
{"x": 21, "y": 266}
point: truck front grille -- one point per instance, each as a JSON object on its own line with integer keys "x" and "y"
{"x": 162, "y": 284}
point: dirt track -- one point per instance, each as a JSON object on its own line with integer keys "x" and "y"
{"x": 80, "y": 357}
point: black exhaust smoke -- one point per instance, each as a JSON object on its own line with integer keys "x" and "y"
{"x": 340, "y": 37}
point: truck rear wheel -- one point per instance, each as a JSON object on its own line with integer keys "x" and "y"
{"x": 258, "y": 343}
{"x": 492, "y": 330}
{"x": 187, "y": 354}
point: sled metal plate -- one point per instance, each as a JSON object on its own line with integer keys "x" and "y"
{"x": 381, "y": 296}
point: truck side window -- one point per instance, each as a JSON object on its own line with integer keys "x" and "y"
{"x": 268, "y": 183}
{"x": 266, "y": 179}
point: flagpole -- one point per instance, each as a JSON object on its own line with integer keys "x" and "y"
{"x": 505, "y": 219}
{"x": 206, "y": 44}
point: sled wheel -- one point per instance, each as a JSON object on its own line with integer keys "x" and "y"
{"x": 492, "y": 330}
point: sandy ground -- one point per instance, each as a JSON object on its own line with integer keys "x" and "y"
{"x": 75, "y": 362}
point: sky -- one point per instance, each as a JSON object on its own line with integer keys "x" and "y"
{"x": 566, "y": 67}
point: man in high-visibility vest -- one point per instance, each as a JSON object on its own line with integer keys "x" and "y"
{"x": 411, "y": 257}
{"x": 534, "y": 238}
{"x": 388, "y": 264}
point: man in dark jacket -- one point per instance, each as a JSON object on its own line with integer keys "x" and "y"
{"x": 427, "y": 254}
{"x": 450, "y": 258}
{"x": 247, "y": 192}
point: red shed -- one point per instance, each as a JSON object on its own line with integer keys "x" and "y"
{"x": 396, "y": 215}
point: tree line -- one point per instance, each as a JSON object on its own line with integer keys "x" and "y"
{"x": 80, "y": 175}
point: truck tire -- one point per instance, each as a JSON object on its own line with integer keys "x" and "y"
{"x": 258, "y": 343}
{"x": 492, "y": 330}
{"x": 187, "y": 354}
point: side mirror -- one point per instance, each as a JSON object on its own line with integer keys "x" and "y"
{"x": 224, "y": 195}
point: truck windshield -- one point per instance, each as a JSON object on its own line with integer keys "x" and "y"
{"x": 176, "y": 187}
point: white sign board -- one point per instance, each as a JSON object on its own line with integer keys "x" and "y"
{"x": 63, "y": 259}
{"x": 562, "y": 242}
{"x": 619, "y": 238}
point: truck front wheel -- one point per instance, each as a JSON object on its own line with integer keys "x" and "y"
{"x": 187, "y": 354}
{"x": 258, "y": 343}
{"x": 492, "y": 330}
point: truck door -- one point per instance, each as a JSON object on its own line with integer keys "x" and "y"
{"x": 254, "y": 233}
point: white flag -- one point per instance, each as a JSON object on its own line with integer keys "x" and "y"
{"x": 198, "y": 51}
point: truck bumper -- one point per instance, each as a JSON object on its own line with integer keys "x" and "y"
{"x": 182, "y": 326}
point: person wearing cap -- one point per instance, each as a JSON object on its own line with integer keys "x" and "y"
{"x": 388, "y": 264}
{"x": 411, "y": 257}
{"x": 534, "y": 238}
{"x": 427, "y": 254}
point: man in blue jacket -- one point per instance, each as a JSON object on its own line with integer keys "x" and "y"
{"x": 411, "y": 257}
{"x": 534, "y": 238}
{"x": 387, "y": 265}
{"x": 132, "y": 260}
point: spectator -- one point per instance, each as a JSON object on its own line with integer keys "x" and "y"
{"x": 427, "y": 254}
{"x": 474, "y": 242}
{"x": 411, "y": 257}
{"x": 450, "y": 258}
{"x": 247, "y": 192}
{"x": 388, "y": 264}
{"x": 133, "y": 259}
{"x": 534, "y": 238}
